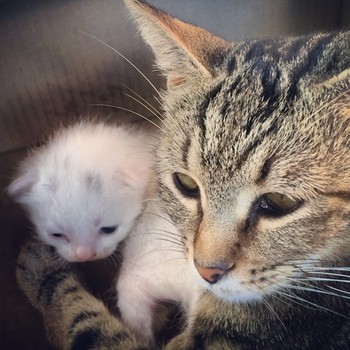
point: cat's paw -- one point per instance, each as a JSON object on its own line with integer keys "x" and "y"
{"x": 39, "y": 268}
{"x": 181, "y": 341}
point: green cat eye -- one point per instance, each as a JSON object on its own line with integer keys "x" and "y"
{"x": 186, "y": 185}
{"x": 278, "y": 204}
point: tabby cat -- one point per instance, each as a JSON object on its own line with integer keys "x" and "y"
{"x": 254, "y": 169}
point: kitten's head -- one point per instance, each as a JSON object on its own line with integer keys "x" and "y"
{"x": 254, "y": 161}
{"x": 84, "y": 189}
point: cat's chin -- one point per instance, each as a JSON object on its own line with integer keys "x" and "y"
{"x": 231, "y": 290}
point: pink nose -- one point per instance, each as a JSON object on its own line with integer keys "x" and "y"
{"x": 211, "y": 274}
{"x": 84, "y": 253}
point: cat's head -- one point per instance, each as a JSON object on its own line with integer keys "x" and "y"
{"x": 254, "y": 161}
{"x": 84, "y": 189}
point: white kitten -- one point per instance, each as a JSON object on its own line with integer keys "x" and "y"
{"x": 154, "y": 269}
{"x": 85, "y": 187}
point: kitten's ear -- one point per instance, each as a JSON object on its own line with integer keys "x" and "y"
{"x": 181, "y": 49}
{"x": 134, "y": 175}
{"x": 22, "y": 184}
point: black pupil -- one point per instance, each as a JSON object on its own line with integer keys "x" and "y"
{"x": 108, "y": 230}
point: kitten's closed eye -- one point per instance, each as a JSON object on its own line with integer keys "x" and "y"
{"x": 108, "y": 229}
{"x": 60, "y": 236}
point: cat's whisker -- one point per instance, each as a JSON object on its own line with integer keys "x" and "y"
{"x": 321, "y": 279}
{"x": 128, "y": 110}
{"x": 270, "y": 308}
{"x": 318, "y": 307}
{"x": 156, "y": 200}
{"x": 163, "y": 249}
{"x": 172, "y": 234}
{"x": 322, "y": 268}
{"x": 160, "y": 216}
{"x": 158, "y": 232}
{"x": 290, "y": 298}
{"x": 171, "y": 241}
{"x": 126, "y": 59}
{"x": 346, "y": 276}
{"x": 317, "y": 290}
{"x": 144, "y": 105}
{"x": 142, "y": 101}
{"x": 337, "y": 289}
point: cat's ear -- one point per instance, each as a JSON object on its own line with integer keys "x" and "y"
{"x": 181, "y": 50}
{"x": 22, "y": 184}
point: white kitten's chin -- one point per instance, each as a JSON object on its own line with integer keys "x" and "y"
{"x": 72, "y": 257}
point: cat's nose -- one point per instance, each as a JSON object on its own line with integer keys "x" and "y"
{"x": 212, "y": 274}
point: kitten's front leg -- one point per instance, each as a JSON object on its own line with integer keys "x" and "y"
{"x": 73, "y": 318}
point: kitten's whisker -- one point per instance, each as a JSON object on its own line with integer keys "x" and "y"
{"x": 126, "y": 59}
{"x": 128, "y": 110}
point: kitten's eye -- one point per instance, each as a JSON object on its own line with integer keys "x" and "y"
{"x": 186, "y": 185}
{"x": 59, "y": 236}
{"x": 108, "y": 229}
{"x": 276, "y": 204}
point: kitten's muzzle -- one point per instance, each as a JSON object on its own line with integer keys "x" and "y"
{"x": 212, "y": 274}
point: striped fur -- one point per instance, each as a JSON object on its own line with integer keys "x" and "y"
{"x": 243, "y": 120}
{"x": 73, "y": 318}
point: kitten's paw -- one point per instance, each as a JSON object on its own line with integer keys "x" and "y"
{"x": 39, "y": 268}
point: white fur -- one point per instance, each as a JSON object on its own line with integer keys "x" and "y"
{"x": 88, "y": 176}
{"x": 154, "y": 268}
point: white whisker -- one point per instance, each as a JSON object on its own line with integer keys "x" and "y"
{"x": 128, "y": 110}
{"x": 151, "y": 108}
{"x": 126, "y": 59}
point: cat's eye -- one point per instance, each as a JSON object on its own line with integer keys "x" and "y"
{"x": 276, "y": 204}
{"x": 186, "y": 185}
{"x": 108, "y": 229}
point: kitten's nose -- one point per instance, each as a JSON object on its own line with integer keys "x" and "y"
{"x": 84, "y": 253}
{"x": 212, "y": 274}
